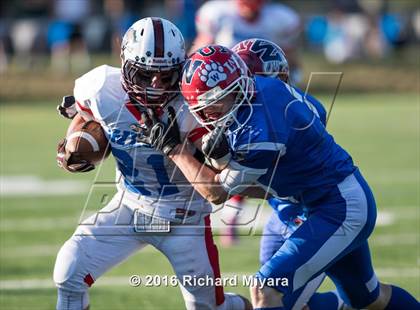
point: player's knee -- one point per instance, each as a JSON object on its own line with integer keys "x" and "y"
{"x": 195, "y": 304}
{"x": 382, "y": 301}
{"x": 265, "y": 297}
{"x": 235, "y": 302}
{"x": 68, "y": 300}
{"x": 66, "y": 275}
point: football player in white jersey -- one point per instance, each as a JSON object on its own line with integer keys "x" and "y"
{"x": 154, "y": 203}
{"x": 229, "y": 22}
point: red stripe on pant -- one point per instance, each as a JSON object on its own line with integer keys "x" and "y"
{"x": 89, "y": 279}
{"x": 213, "y": 255}
{"x": 237, "y": 198}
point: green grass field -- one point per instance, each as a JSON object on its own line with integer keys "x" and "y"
{"x": 381, "y": 131}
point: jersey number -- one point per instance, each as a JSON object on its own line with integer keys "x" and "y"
{"x": 126, "y": 166}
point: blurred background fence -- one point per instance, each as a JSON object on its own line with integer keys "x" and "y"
{"x": 45, "y": 44}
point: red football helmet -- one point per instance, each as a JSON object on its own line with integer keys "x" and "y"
{"x": 209, "y": 75}
{"x": 263, "y": 57}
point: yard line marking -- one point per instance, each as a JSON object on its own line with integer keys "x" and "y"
{"x": 39, "y": 224}
{"x": 394, "y": 239}
{"x": 385, "y": 218}
{"x": 30, "y": 185}
{"x": 27, "y": 284}
{"x": 405, "y": 176}
{"x": 40, "y": 250}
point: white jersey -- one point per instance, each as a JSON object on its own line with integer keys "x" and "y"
{"x": 152, "y": 192}
{"x": 219, "y": 20}
{"x": 145, "y": 172}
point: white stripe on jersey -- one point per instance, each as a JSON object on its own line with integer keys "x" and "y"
{"x": 266, "y": 146}
{"x": 235, "y": 178}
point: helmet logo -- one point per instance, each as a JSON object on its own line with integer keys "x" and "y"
{"x": 189, "y": 69}
{"x": 266, "y": 51}
{"x": 212, "y": 74}
{"x": 129, "y": 38}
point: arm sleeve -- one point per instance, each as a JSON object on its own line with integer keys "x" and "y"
{"x": 250, "y": 163}
{"x": 83, "y": 103}
{"x": 84, "y": 109}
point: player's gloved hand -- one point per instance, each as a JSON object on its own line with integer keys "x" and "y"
{"x": 67, "y": 107}
{"x": 214, "y": 144}
{"x": 215, "y": 147}
{"x": 69, "y": 162}
{"x": 161, "y": 136}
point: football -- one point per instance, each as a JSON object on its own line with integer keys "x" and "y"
{"x": 87, "y": 141}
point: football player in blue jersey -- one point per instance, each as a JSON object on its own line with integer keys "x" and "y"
{"x": 281, "y": 148}
{"x": 266, "y": 58}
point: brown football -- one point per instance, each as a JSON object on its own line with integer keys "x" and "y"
{"x": 87, "y": 141}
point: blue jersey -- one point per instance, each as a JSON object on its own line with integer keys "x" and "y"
{"x": 284, "y": 146}
{"x": 314, "y": 105}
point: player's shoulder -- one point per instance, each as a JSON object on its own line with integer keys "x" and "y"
{"x": 262, "y": 115}
{"x": 289, "y": 18}
{"x": 271, "y": 87}
{"x": 97, "y": 79}
{"x": 270, "y": 104}
{"x": 320, "y": 110}
{"x": 278, "y": 9}
{"x": 216, "y": 9}
{"x": 100, "y": 89}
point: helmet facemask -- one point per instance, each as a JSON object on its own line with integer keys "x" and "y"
{"x": 137, "y": 82}
{"x": 244, "y": 89}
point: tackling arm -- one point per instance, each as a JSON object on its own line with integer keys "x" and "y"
{"x": 166, "y": 138}
{"x": 205, "y": 180}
